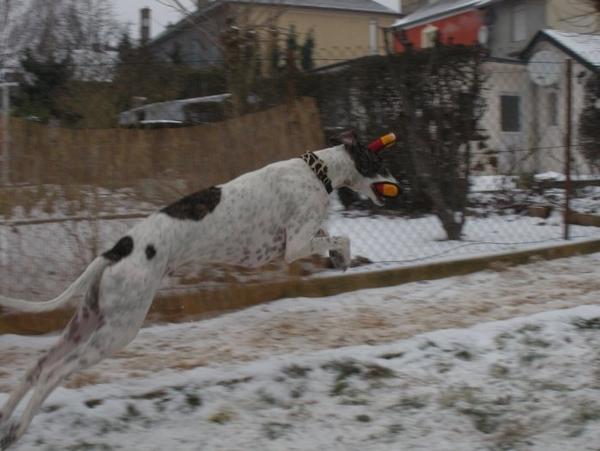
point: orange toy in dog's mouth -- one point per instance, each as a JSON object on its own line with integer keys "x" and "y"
{"x": 385, "y": 190}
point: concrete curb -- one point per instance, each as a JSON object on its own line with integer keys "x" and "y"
{"x": 210, "y": 302}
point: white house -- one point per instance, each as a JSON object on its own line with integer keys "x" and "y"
{"x": 526, "y": 117}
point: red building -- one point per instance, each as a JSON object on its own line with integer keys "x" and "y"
{"x": 450, "y": 21}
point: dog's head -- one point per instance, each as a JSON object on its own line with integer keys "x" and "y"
{"x": 370, "y": 175}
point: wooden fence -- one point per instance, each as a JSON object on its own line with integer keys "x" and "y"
{"x": 208, "y": 154}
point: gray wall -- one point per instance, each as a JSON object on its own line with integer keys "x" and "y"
{"x": 194, "y": 48}
{"x": 501, "y": 39}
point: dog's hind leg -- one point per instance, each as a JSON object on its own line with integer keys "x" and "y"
{"x": 60, "y": 361}
{"x": 31, "y": 378}
{"x": 45, "y": 376}
{"x": 75, "y": 351}
{"x": 15, "y": 397}
{"x": 47, "y": 382}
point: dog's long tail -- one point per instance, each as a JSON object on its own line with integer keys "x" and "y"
{"x": 83, "y": 282}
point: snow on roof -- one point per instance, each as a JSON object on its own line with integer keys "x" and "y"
{"x": 439, "y": 9}
{"x": 352, "y": 5}
{"x": 171, "y": 110}
{"x": 586, "y": 46}
{"x": 369, "y": 6}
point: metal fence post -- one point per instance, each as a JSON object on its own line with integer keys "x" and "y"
{"x": 6, "y": 131}
{"x": 568, "y": 133}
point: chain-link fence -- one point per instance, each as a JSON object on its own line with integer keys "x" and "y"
{"x": 72, "y": 193}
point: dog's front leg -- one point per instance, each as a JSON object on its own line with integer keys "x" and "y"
{"x": 340, "y": 256}
{"x": 300, "y": 246}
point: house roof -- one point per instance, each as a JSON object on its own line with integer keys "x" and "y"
{"x": 439, "y": 9}
{"x": 368, "y": 6}
{"x": 346, "y": 5}
{"x": 584, "y": 48}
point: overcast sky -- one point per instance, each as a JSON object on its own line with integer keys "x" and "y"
{"x": 128, "y": 11}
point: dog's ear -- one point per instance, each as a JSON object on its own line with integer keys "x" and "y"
{"x": 347, "y": 138}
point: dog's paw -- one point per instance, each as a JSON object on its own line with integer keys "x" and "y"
{"x": 8, "y": 436}
{"x": 338, "y": 260}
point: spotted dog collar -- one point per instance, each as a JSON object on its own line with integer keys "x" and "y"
{"x": 319, "y": 167}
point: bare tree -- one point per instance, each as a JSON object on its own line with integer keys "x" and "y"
{"x": 247, "y": 36}
{"x": 51, "y": 29}
{"x": 580, "y": 16}
{"x": 10, "y": 13}
{"x": 440, "y": 90}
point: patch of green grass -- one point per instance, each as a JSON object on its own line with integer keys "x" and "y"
{"x": 412, "y": 402}
{"x": 267, "y": 398}
{"x": 106, "y": 427}
{"x": 338, "y": 388}
{"x": 502, "y": 338}
{"x": 298, "y": 391}
{"x": 531, "y": 357}
{"x": 343, "y": 368}
{"x": 464, "y": 355}
{"x": 296, "y": 371}
{"x": 53, "y": 408}
{"x": 222, "y": 417}
{"x": 91, "y": 403}
{"x": 354, "y": 401}
{"x": 374, "y": 371}
{"x": 587, "y": 324}
{"x": 395, "y": 428}
{"x": 193, "y": 401}
{"x": 131, "y": 413}
{"x": 453, "y": 395}
{"x": 553, "y": 385}
{"x": 511, "y": 435}
{"x": 392, "y": 355}
{"x": 161, "y": 404}
{"x": 428, "y": 344}
{"x": 499, "y": 371}
{"x": 154, "y": 394}
{"x": 584, "y": 412}
{"x": 275, "y": 430}
{"x": 483, "y": 421}
{"x": 536, "y": 342}
{"x": 233, "y": 382}
{"x": 444, "y": 367}
{"x": 529, "y": 328}
{"x": 85, "y": 446}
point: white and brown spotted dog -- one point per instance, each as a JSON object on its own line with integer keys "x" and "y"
{"x": 274, "y": 213}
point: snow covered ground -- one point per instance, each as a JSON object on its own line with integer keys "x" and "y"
{"x": 39, "y": 260}
{"x": 499, "y": 360}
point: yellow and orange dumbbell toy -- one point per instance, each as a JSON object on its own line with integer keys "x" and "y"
{"x": 384, "y": 189}
{"x": 382, "y": 143}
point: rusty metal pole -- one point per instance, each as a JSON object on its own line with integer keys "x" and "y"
{"x": 568, "y": 134}
{"x": 6, "y": 131}
{"x": 5, "y": 135}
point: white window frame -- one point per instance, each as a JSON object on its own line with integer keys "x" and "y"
{"x": 428, "y": 36}
{"x": 519, "y": 21}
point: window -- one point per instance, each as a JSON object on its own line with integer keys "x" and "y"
{"x": 428, "y": 36}
{"x": 373, "y": 45}
{"x": 552, "y": 108}
{"x": 510, "y": 113}
{"x": 519, "y": 22}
